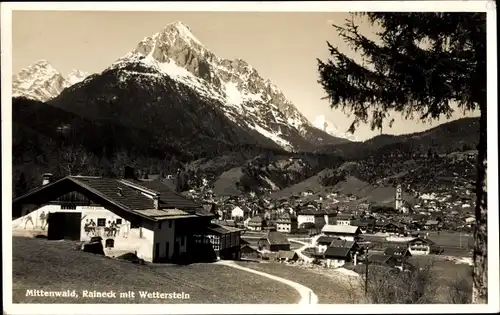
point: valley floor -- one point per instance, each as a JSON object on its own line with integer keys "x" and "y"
{"x": 39, "y": 264}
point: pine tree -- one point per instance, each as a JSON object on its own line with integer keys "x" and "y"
{"x": 21, "y": 185}
{"x": 420, "y": 65}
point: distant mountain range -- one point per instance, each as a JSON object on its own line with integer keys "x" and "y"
{"x": 171, "y": 101}
{"x": 161, "y": 75}
{"x": 458, "y": 135}
{"x": 321, "y": 123}
{"x": 42, "y": 82}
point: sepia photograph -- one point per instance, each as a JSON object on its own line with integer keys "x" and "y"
{"x": 256, "y": 154}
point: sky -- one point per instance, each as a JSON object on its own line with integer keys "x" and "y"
{"x": 281, "y": 46}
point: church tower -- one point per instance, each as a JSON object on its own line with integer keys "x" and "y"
{"x": 399, "y": 198}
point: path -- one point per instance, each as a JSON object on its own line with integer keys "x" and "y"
{"x": 306, "y": 294}
{"x": 299, "y": 251}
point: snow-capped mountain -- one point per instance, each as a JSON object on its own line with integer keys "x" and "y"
{"x": 173, "y": 87}
{"x": 42, "y": 82}
{"x": 76, "y": 76}
{"x": 247, "y": 99}
{"x": 321, "y": 123}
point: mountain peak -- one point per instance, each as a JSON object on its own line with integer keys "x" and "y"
{"x": 323, "y": 124}
{"x": 39, "y": 66}
{"x": 238, "y": 90}
{"x": 76, "y": 76}
{"x": 182, "y": 31}
{"x": 179, "y": 25}
{"x": 41, "y": 81}
{"x": 41, "y": 63}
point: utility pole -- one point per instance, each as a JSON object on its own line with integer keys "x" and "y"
{"x": 366, "y": 272}
{"x": 461, "y": 231}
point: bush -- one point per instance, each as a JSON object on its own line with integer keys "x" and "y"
{"x": 391, "y": 286}
{"x": 460, "y": 291}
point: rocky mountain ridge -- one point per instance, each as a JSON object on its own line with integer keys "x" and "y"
{"x": 246, "y": 98}
{"x": 42, "y": 82}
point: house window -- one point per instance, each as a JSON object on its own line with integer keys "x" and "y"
{"x": 101, "y": 222}
{"x": 118, "y": 221}
{"x": 68, "y": 207}
{"x": 110, "y": 243}
{"x": 134, "y": 225}
{"x": 170, "y": 224}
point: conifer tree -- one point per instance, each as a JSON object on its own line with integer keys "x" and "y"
{"x": 417, "y": 65}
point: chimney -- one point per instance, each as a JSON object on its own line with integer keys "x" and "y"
{"x": 156, "y": 201}
{"x": 46, "y": 178}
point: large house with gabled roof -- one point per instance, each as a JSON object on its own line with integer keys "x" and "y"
{"x": 145, "y": 217}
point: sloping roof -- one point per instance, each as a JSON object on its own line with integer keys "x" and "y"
{"x": 221, "y": 230}
{"x": 425, "y": 240}
{"x": 245, "y": 209}
{"x": 162, "y": 212}
{"x": 344, "y": 229}
{"x": 168, "y": 197}
{"x": 336, "y": 252}
{"x": 227, "y": 222}
{"x": 396, "y": 224}
{"x": 342, "y": 243}
{"x": 363, "y": 222}
{"x": 124, "y": 194}
{"x": 277, "y": 238}
{"x": 344, "y": 216}
{"x": 256, "y": 220}
{"x": 396, "y": 251}
{"x": 114, "y": 189}
{"x": 246, "y": 248}
{"x": 325, "y": 240}
{"x": 379, "y": 258}
{"x": 306, "y": 211}
{"x": 244, "y": 242}
{"x": 170, "y": 183}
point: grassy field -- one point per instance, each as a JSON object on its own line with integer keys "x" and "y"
{"x": 445, "y": 273}
{"x": 56, "y": 265}
{"x": 451, "y": 239}
{"x": 330, "y": 289}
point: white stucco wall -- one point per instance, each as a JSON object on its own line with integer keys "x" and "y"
{"x": 255, "y": 228}
{"x": 343, "y": 222}
{"x": 126, "y": 239}
{"x": 283, "y": 227}
{"x": 419, "y": 250}
{"x": 322, "y": 248}
{"x": 33, "y": 221}
{"x": 304, "y": 219}
{"x": 334, "y": 263}
{"x": 237, "y": 213}
{"x": 164, "y": 232}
